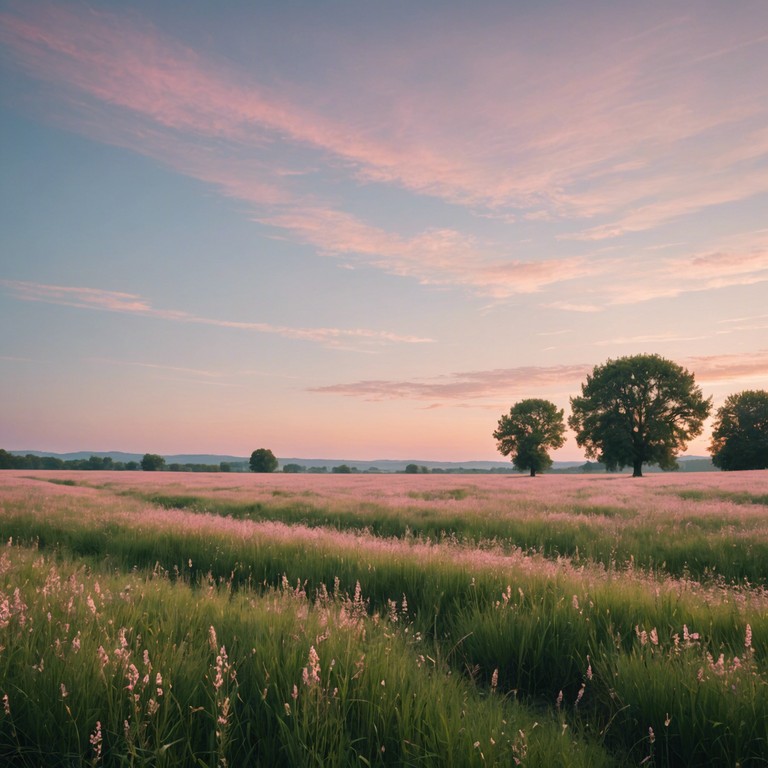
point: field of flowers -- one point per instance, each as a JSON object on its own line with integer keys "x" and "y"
{"x": 268, "y": 620}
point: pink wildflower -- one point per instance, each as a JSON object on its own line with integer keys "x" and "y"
{"x": 96, "y": 742}
{"x": 311, "y": 673}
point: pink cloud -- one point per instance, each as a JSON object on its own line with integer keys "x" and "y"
{"x": 433, "y": 257}
{"x": 464, "y": 385}
{"x": 733, "y": 266}
{"x": 612, "y": 135}
{"x": 739, "y": 368}
{"x": 128, "y": 303}
{"x": 524, "y": 381}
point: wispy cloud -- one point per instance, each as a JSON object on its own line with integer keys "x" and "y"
{"x": 637, "y": 149}
{"x": 465, "y": 385}
{"x": 655, "y": 338}
{"x": 529, "y": 381}
{"x": 735, "y": 265}
{"x": 739, "y": 368}
{"x": 434, "y": 257}
{"x": 128, "y": 303}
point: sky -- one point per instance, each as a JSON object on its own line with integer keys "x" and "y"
{"x": 366, "y": 229}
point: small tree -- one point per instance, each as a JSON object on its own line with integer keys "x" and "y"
{"x": 638, "y": 410}
{"x": 740, "y": 432}
{"x": 151, "y": 462}
{"x": 263, "y": 460}
{"x": 527, "y": 431}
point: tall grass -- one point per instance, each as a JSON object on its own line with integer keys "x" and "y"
{"x": 601, "y": 654}
{"x": 139, "y": 670}
{"x": 715, "y": 537}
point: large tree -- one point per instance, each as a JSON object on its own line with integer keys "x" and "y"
{"x": 527, "y": 431}
{"x": 638, "y": 410}
{"x": 151, "y": 462}
{"x": 263, "y": 460}
{"x": 740, "y": 432}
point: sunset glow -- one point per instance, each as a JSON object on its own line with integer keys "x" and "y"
{"x": 365, "y": 230}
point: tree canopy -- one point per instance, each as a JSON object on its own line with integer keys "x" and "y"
{"x": 638, "y": 410}
{"x": 740, "y": 432}
{"x": 263, "y": 460}
{"x": 151, "y": 462}
{"x": 530, "y": 428}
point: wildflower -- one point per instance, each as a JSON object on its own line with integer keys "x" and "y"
{"x": 212, "y": 640}
{"x": 152, "y": 707}
{"x": 748, "y": 638}
{"x": 287, "y": 708}
{"x": 76, "y": 643}
{"x": 589, "y": 668}
{"x": 580, "y": 694}
{"x": 311, "y": 673}
{"x": 223, "y": 718}
{"x": 64, "y": 692}
{"x": 132, "y": 676}
{"x": 654, "y": 636}
{"x": 495, "y": 679}
{"x": 575, "y": 602}
{"x": 6, "y": 704}
{"x": 295, "y": 692}
{"x": 96, "y": 741}
{"x": 559, "y": 700}
{"x": 159, "y": 684}
{"x": 91, "y": 605}
{"x": 222, "y": 668}
{"x": 651, "y": 735}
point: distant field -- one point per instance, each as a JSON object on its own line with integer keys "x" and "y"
{"x": 210, "y": 620}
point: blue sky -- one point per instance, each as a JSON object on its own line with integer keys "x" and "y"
{"x": 366, "y": 230}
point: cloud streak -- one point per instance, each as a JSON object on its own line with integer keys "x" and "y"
{"x": 132, "y": 304}
{"x": 467, "y": 385}
{"x": 638, "y": 149}
{"x": 524, "y": 381}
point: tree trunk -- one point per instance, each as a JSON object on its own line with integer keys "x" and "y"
{"x": 533, "y": 472}
{"x": 637, "y": 468}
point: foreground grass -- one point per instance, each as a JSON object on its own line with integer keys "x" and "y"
{"x": 638, "y": 665}
{"x": 140, "y": 670}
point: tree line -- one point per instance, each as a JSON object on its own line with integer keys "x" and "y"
{"x": 634, "y": 411}
{"x": 150, "y": 462}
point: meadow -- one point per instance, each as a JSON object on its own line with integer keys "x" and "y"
{"x": 308, "y": 620}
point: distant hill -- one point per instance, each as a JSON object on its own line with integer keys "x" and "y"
{"x": 687, "y": 463}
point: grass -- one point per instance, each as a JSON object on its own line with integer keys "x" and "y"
{"x": 488, "y": 654}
